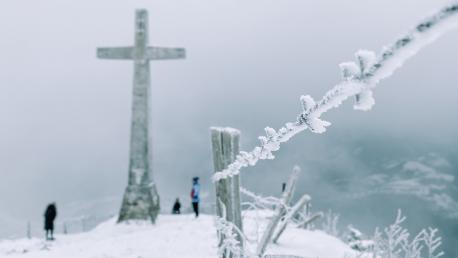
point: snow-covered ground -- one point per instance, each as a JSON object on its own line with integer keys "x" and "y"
{"x": 172, "y": 236}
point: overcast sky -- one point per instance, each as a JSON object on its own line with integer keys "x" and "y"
{"x": 65, "y": 115}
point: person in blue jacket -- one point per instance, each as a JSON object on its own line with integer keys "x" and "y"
{"x": 195, "y": 195}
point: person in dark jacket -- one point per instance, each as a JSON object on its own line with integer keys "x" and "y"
{"x": 176, "y": 207}
{"x": 195, "y": 195}
{"x": 50, "y": 216}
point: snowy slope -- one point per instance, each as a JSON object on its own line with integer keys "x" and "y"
{"x": 173, "y": 236}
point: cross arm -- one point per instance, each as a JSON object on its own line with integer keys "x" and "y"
{"x": 163, "y": 53}
{"x": 115, "y": 52}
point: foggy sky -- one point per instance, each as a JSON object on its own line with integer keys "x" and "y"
{"x": 65, "y": 115}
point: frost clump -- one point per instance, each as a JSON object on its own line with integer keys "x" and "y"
{"x": 352, "y": 71}
{"x": 315, "y": 124}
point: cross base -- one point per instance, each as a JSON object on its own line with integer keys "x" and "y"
{"x": 140, "y": 202}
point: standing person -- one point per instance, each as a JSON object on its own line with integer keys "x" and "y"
{"x": 50, "y": 216}
{"x": 176, "y": 207}
{"x": 195, "y": 195}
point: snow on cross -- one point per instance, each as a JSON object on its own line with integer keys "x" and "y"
{"x": 359, "y": 78}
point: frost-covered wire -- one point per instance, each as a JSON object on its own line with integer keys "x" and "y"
{"x": 261, "y": 201}
{"x": 230, "y": 243}
{"x": 358, "y": 79}
{"x": 230, "y": 236}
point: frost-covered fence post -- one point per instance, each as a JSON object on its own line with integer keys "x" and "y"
{"x": 83, "y": 224}
{"x": 291, "y": 214}
{"x": 280, "y": 211}
{"x": 308, "y": 209}
{"x": 305, "y": 224}
{"x": 29, "y": 230}
{"x": 225, "y": 147}
{"x": 65, "y": 228}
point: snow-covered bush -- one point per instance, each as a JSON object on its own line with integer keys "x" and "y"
{"x": 432, "y": 243}
{"x": 396, "y": 242}
{"x": 329, "y": 223}
{"x": 357, "y": 241}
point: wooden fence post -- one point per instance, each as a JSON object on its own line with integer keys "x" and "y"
{"x": 294, "y": 210}
{"x": 310, "y": 220}
{"x": 225, "y": 147}
{"x": 279, "y": 212}
{"x": 29, "y": 230}
{"x": 65, "y": 228}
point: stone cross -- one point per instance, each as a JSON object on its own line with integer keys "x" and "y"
{"x": 141, "y": 200}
